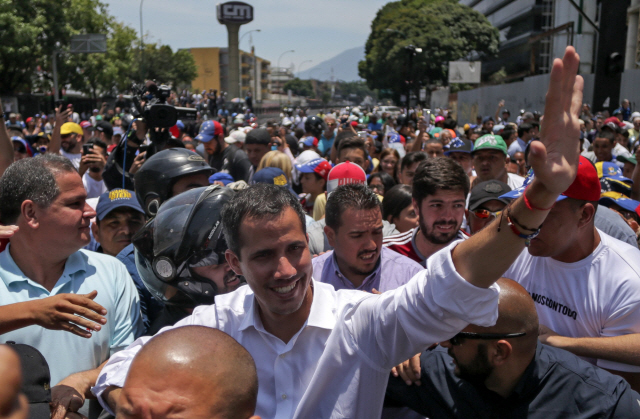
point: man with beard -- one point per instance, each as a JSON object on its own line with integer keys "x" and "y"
{"x": 503, "y": 371}
{"x": 71, "y": 140}
{"x": 489, "y": 160}
{"x": 358, "y": 260}
{"x": 440, "y": 187}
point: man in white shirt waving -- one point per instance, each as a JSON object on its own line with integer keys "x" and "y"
{"x": 322, "y": 353}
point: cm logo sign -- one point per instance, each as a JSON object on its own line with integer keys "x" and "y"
{"x": 235, "y": 12}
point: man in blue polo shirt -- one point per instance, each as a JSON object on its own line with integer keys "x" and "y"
{"x": 48, "y": 282}
{"x": 354, "y": 230}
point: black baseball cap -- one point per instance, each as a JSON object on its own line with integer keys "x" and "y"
{"x": 491, "y": 190}
{"x": 36, "y": 380}
{"x": 104, "y": 126}
{"x": 458, "y": 145}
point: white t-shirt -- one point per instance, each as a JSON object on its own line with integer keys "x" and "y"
{"x": 75, "y": 158}
{"x": 598, "y": 296}
{"x": 94, "y": 188}
{"x": 514, "y": 181}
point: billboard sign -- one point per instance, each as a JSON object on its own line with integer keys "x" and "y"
{"x": 235, "y": 12}
{"x": 88, "y": 43}
{"x": 464, "y": 71}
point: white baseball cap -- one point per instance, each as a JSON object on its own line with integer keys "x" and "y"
{"x": 236, "y": 136}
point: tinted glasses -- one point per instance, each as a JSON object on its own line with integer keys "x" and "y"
{"x": 460, "y": 337}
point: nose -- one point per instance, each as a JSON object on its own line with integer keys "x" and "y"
{"x": 88, "y": 211}
{"x": 285, "y": 269}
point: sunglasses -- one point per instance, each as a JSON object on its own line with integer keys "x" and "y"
{"x": 483, "y": 213}
{"x": 460, "y": 337}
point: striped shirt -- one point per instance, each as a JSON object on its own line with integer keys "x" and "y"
{"x": 405, "y": 244}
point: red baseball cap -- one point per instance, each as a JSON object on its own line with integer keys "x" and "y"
{"x": 345, "y": 174}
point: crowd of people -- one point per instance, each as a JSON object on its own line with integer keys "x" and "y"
{"x": 349, "y": 263}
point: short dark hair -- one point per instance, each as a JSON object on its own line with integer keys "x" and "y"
{"x": 608, "y": 134}
{"x": 450, "y": 123}
{"x": 524, "y": 128}
{"x": 507, "y": 132}
{"x": 356, "y": 195}
{"x": 353, "y": 142}
{"x": 437, "y": 174}
{"x": 31, "y": 179}
{"x": 395, "y": 200}
{"x": 413, "y": 157}
{"x": 257, "y": 201}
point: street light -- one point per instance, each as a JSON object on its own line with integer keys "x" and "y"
{"x": 141, "y": 46}
{"x": 413, "y": 50}
{"x": 281, "y": 87}
{"x": 300, "y": 66}
{"x": 240, "y": 60}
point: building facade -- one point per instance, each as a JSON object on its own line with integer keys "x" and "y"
{"x": 213, "y": 72}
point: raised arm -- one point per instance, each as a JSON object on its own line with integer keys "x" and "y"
{"x": 6, "y": 148}
{"x": 483, "y": 258}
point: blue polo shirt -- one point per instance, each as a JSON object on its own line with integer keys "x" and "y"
{"x": 84, "y": 272}
{"x": 392, "y": 271}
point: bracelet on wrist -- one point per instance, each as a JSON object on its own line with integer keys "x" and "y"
{"x": 532, "y": 207}
{"x": 517, "y": 227}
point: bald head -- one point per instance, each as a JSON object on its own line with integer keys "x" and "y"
{"x": 191, "y": 371}
{"x": 13, "y": 404}
{"x": 516, "y": 313}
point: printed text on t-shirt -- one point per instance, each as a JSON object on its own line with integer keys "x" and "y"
{"x": 553, "y": 305}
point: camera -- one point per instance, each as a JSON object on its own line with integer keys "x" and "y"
{"x": 151, "y": 105}
{"x": 86, "y": 148}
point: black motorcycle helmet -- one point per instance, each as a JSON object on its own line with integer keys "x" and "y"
{"x": 186, "y": 233}
{"x": 155, "y": 179}
{"x": 315, "y": 125}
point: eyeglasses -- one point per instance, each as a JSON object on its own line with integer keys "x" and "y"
{"x": 483, "y": 213}
{"x": 460, "y": 337}
{"x": 379, "y": 188}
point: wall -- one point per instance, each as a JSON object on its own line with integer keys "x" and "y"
{"x": 630, "y": 88}
{"x": 528, "y": 94}
{"x": 208, "y": 63}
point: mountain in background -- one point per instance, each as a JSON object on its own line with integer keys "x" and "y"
{"x": 345, "y": 67}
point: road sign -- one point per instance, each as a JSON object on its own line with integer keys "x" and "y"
{"x": 235, "y": 12}
{"x": 464, "y": 71}
{"x": 88, "y": 43}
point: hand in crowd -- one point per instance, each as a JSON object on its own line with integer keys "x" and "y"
{"x": 137, "y": 163}
{"x": 92, "y": 159}
{"x": 62, "y": 116}
{"x": 65, "y": 402}
{"x": 554, "y": 157}
{"x": 546, "y": 335}
{"x": 409, "y": 371}
{"x": 77, "y": 314}
{"x": 6, "y": 232}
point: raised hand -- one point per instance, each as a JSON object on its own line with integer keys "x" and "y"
{"x": 555, "y": 157}
{"x": 75, "y": 313}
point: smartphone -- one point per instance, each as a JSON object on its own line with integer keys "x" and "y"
{"x": 427, "y": 114}
{"x": 86, "y": 148}
{"x": 363, "y": 134}
{"x": 60, "y": 104}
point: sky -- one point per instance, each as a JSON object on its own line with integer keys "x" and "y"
{"x": 316, "y": 30}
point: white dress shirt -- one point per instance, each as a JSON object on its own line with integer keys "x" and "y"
{"x": 337, "y": 365}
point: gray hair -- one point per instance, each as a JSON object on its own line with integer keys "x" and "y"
{"x": 31, "y": 179}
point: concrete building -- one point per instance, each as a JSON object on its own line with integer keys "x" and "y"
{"x": 533, "y": 32}
{"x": 213, "y": 72}
{"x": 279, "y": 77}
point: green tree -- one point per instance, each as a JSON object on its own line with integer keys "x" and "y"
{"x": 160, "y": 63}
{"x": 299, "y": 87}
{"x": 444, "y": 29}
{"x": 30, "y": 30}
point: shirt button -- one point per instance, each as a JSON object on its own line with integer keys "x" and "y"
{"x": 284, "y": 397}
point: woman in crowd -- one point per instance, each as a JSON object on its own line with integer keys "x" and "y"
{"x": 389, "y": 162}
{"x": 397, "y": 208}
{"x": 381, "y": 182}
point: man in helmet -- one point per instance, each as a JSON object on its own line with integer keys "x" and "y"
{"x": 223, "y": 156}
{"x": 186, "y": 268}
{"x": 164, "y": 175}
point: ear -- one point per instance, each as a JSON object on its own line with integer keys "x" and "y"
{"x": 29, "y": 211}
{"x": 466, "y": 214}
{"x": 587, "y": 213}
{"x": 500, "y": 353}
{"x": 96, "y": 231}
{"x": 366, "y": 165}
{"x": 233, "y": 261}
{"x": 331, "y": 235}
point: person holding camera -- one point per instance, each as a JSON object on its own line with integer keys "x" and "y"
{"x": 94, "y": 158}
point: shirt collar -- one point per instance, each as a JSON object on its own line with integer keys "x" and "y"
{"x": 12, "y": 272}
{"x": 344, "y": 279}
{"x": 321, "y": 315}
